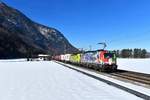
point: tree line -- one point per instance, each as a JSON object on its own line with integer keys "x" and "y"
{"x": 131, "y": 53}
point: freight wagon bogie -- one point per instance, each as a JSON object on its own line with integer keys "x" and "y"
{"x": 108, "y": 68}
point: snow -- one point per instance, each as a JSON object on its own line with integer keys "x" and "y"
{"x": 125, "y": 84}
{"x": 46, "y": 80}
{"x": 13, "y": 60}
{"x": 137, "y": 65}
{"x": 43, "y": 30}
{"x": 12, "y": 21}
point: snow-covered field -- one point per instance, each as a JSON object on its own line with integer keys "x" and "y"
{"x": 13, "y": 60}
{"x": 138, "y": 65}
{"x": 51, "y": 81}
{"x": 129, "y": 85}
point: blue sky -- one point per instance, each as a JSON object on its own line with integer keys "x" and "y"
{"x": 119, "y": 23}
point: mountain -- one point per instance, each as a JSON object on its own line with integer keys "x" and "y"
{"x": 20, "y": 36}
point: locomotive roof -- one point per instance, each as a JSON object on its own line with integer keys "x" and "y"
{"x": 95, "y": 50}
{"x": 81, "y": 52}
{"x": 89, "y": 51}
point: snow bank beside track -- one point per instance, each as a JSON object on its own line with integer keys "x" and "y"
{"x": 125, "y": 84}
{"x": 50, "y": 81}
{"x": 137, "y": 65}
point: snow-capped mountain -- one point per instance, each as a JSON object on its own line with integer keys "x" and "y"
{"x": 20, "y": 35}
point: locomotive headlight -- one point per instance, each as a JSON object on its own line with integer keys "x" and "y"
{"x": 110, "y": 61}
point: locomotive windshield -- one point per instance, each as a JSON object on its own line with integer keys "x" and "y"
{"x": 108, "y": 55}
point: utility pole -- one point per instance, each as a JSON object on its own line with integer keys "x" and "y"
{"x": 90, "y": 47}
{"x": 81, "y": 50}
{"x": 104, "y": 44}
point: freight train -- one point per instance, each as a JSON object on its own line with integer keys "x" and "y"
{"x": 102, "y": 60}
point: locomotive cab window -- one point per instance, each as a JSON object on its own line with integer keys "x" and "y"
{"x": 108, "y": 55}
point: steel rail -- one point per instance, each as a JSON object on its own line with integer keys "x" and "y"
{"x": 138, "y": 94}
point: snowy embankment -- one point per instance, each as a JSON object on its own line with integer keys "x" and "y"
{"x": 51, "y": 81}
{"x": 129, "y": 85}
{"x": 137, "y": 65}
{"x": 13, "y": 60}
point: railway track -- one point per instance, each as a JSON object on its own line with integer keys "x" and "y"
{"x": 128, "y": 76}
{"x": 139, "y": 94}
{"x": 133, "y": 76}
